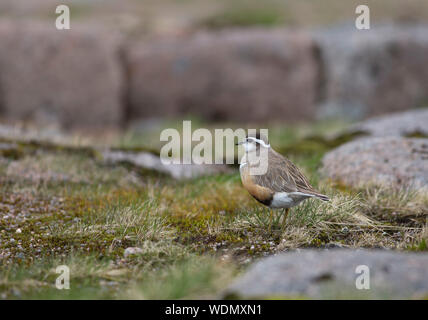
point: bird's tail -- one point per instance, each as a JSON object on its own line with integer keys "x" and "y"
{"x": 322, "y": 197}
{"x": 312, "y": 193}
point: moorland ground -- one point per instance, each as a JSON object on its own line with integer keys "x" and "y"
{"x": 64, "y": 205}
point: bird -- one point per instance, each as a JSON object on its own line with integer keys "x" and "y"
{"x": 281, "y": 184}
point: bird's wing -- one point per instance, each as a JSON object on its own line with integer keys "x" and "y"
{"x": 283, "y": 176}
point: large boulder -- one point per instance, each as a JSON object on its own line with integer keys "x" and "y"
{"x": 231, "y": 75}
{"x": 152, "y": 162}
{"x": 373, "y": 72}
{"x": 72, "y": 77}
{"x": 401, "y": 124}
{"x": 384, "y": 161}
{"x": 332, "y": 274}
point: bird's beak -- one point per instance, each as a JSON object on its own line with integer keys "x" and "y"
{"x": 239, "y": 143}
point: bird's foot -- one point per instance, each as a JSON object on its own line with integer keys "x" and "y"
{"x": 284, "y": 218}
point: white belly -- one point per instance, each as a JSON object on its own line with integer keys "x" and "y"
{"x": 288, "y": 200}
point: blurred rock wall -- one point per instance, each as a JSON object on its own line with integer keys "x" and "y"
{"x": 87, "y": 78}
{"x": 233, "y": 75}
{"x": 72, "y": 78}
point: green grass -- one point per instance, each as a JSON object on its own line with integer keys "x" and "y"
{"x": 195, "y": 236}
{"x": 244, "y": 17}
{"x": 221, "y": 13}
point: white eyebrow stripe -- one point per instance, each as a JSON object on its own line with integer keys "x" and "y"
{"x": 260, "y": 142}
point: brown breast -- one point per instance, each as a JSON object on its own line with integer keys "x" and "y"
{"x": 261, "y": 194}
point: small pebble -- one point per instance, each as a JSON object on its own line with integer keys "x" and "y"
{"x": 132, "y": 250}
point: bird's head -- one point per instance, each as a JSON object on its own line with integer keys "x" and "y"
{"x": 254, "y": 142}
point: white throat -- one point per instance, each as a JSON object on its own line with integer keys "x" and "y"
{"x": 249, "y": 147}
{"x": 250, "y": 151}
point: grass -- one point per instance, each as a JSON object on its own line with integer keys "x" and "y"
{"x": 222, "y": 13}
{"x": 244, "y": 17}
{"x": 194, "y": 236}
{"x": 310, "y": 13}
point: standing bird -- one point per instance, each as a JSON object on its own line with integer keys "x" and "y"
{"x": 282, "y": 185}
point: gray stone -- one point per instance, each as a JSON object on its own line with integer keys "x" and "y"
{"x": 71, "y": 77}
{"x": 132, "y": 251}
{"x": 47, "y": 134}
{"x": 409, "y": 123}
{"x": 150, "y": 161}
{"x": 383, "y": 161}
{"x": 373, "y": 72}
{"x": 332, "y": 274}
{"x": 236, "y": 75}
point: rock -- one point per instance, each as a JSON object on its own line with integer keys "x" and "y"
{"x": 372, "y": 73}
{"x": 132, "y": 251}
{"x": 239, "y": 75}
{"x": 150, "y": 161}
{"x": 386, "y": 161}
{"x": 46, "y": 134}
{"x": 61, "y": 166}
{"x": 332, "y": 274}
{"x": 409, "y": 123}
{"x": 71, "y": 77}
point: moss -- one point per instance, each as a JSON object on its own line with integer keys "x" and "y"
{"x": 317, "y": 143}
{"x": 244, "y": 17}
{"x": 11, "y": 151}
{"x": 416, "y": 134}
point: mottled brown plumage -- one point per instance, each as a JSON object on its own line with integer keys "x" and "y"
{"x": 283, "y": 176}
{"x": 283, "y": 185}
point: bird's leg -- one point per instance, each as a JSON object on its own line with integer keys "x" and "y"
{"x": 270, "y": 219}
{"x": 284, "y": 218}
